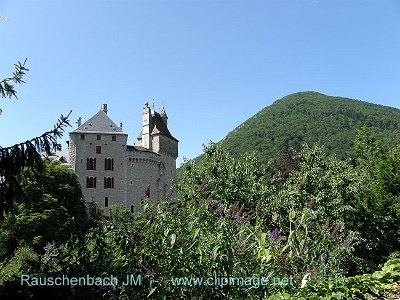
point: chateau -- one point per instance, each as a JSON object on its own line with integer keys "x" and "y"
{"x": 111, "y": 171}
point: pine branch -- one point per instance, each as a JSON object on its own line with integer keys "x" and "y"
{"x": 26, "y": 156}
{"x": 6, "y": 88}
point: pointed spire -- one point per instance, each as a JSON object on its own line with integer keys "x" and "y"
{"x": 162, "y": 112}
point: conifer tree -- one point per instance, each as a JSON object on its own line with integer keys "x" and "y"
{"x": 27, "y": 154}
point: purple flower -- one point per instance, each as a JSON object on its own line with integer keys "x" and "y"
{"x": 288, "y": 271}
{"x": 235, "y": 248}
{"x": 273, "y": 235}
{"x": 304, "y": 249}
{"x": 149, "y": 272}
{"x": 203, "y": 185}
{"x": 308, "y": 227}
{"x": 324, "y": 258}
{"x": 216, "y": 203}
{"x": 221, "y": 212}
{"x": 171, "y": 191}
{"x": 312, "y": 272}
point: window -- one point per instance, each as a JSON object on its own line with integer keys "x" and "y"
{"x": 132, "y": 208}
{"x": 98, "y": 149}
{"x": 113, "y": 138}
{"x": 106, "y": 202}
{"x": 108, "y": 182}
{"x": 91, "y": 182}
{"x": 109, "y": 164}
{"x": 82, "y": 136}
{"x": 98, "y": 137}
{"x": 91, "y": 163}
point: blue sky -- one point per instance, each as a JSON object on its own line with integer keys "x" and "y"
{"x": 213, "y": 63}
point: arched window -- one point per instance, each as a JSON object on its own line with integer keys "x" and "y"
{"x": 109, "y": 163}
{"x": 108, "y": 182}
{"x": 91, "y": 182}
{"x": 132, "y": 208}
{"x": 90, "y": 163}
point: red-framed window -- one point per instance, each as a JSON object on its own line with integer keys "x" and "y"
{"x": 109, "y": 164}
{"x": 108, "y": 182}
{"x": 91, "y": 163}
{"x": 91, "y": 182}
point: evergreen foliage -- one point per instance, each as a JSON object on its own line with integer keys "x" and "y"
{"x": 313, "y": 118}
{"x": 14, "y": 159}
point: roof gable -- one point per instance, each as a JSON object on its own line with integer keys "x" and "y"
{"x": 100, "y": 122}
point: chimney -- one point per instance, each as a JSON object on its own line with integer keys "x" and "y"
{"x": 120, "y": 125}
{"x": 104, "y": 107}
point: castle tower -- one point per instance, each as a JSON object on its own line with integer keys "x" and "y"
{"x": 146, "y": 127}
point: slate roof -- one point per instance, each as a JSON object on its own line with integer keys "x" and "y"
{"x": 159, "y": 127}
{"x": 100, "y": 123}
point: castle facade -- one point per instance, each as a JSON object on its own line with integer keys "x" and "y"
{"x": 112, "y": 172}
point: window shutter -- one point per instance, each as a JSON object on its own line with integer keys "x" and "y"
{"x": 87, "y": 182}
{"x": 105, "y": 182}
{"x": 94, "y": 182}
{"x": 87, "y": 163}
{"x": 94, "y": 164}
{"x": 112, "y": 164}
{"x": 112, "y": 182}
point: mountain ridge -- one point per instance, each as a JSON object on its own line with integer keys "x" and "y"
{"x": 313, "y": 118}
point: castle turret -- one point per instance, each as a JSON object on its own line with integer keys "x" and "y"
{"x": 163, "y": 115}
{"x": 146, "y": 127}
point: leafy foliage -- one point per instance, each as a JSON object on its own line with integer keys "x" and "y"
{"x": 52, "y": 210}
{"x": 312, "y": 118}
{"x": 381, "y": 284}
{"x": 222, "y": 176}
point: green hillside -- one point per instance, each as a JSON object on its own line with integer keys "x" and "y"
{"x": 311, "y": 117}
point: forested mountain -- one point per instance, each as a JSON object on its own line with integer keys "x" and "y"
{"x": 311, "y": 117}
